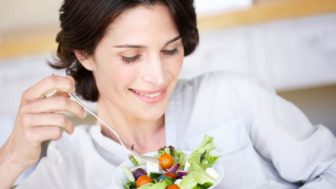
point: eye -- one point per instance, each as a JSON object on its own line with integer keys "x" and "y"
{"x": 131, "y": 59}
{"x": 170, "y": 52}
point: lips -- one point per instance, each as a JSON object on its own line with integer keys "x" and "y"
{"x": 150, "y": 96}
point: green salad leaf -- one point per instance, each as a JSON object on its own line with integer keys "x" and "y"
{"x": 199, "y": 160}
{"x": 130, "y": 185}
{"x": 134, "y": 161}
{"x": 197, "y": 180}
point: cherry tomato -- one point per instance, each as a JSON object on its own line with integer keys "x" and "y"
{"x": 173, "y": 186}
{"x": 166, "y": 161}
{"x": 142, "y": 180}
{"x": 171, "y": 175}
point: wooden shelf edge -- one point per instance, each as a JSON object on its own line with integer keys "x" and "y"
{"x": 33, "y": 45}
{"x": 266, "y": 12}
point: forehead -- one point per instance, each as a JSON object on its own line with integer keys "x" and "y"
{"x": 142, "y": 22}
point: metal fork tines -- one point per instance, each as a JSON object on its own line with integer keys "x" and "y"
{"x": 129, "y": 151}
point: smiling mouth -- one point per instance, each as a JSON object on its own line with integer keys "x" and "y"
{"x": 150, "y": 96}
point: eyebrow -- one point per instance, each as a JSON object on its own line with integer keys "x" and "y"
{"x": 143, "y": 46}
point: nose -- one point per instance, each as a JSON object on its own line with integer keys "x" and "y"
{"x": 154, "y": 72}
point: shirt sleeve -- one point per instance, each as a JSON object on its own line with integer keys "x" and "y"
{"x": 48, "y": 172}
{"x": 281, "y": 133}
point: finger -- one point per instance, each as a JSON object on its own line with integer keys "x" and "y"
{"x": 56, "y": 93}
{"x": 49, "y": 84}
{"x": 37, "y": 135}
{"x": 47, "y": 119}
{"x": 54, "y": 104}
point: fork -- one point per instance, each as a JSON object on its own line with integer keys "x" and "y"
{"x": 145, "y": 158}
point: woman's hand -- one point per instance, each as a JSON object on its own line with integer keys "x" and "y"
{"x": 39, "y": 119}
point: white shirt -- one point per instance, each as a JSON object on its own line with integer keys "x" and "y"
{"x": 265, "y": 141}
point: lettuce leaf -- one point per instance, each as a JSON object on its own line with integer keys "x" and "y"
{"x": 197, "y": 180}
{"x": 199, "y": 160}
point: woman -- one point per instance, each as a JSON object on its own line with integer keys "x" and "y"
{"x": 126, "y": 56}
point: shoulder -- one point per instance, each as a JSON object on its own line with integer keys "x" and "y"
{"x": 223, "y": 82}
{"x": 220, "y": 93}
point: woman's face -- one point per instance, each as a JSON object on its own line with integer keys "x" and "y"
{"x": 137, "y": 62}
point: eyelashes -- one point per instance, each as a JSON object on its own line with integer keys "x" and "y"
{"x": 132, "y": 59}
{"x": 170, "y": 52}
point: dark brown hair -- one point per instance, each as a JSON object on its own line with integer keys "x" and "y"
{"x": 83, "y": 24}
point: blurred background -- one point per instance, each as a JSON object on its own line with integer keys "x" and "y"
{"x": 290, "y": 44}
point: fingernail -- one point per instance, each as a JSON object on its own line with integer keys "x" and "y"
{"x": 51, "y": 93}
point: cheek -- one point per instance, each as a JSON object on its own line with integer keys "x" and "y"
{"x": 123, "y": 77}
{"x": 112, "y": 78}
{"x": 177, "y": 65}
{"x": 112, "y": 70}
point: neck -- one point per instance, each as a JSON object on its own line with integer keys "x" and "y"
{"x": 144, "y": 135}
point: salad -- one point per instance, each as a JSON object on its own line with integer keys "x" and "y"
{"x": 178, "y": 170}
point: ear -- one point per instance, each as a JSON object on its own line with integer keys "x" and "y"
{"x": 86, "y": 60}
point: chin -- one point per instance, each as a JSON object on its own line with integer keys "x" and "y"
{"x": 152, "y": 114}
